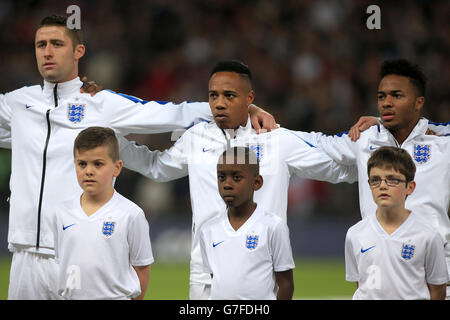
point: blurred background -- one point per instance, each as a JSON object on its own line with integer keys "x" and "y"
{"x": 315, "y": 67}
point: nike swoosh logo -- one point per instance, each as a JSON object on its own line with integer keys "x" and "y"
{"x": 64, "y": 228}
{"x": 364, "y": 250}
{"x": 372, "y": 148}
{"x": 27, "y": 106}
{"x": 206, "y": 150}
{"x": 216, "y": 244}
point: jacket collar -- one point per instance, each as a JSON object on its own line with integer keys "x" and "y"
{"x": 64, "y": 89}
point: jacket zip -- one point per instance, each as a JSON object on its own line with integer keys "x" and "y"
{"x": 44, "y": 166}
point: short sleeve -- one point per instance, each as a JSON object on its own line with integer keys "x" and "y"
{"x": 281, "y": 248}
{"x": 139, "y": 241}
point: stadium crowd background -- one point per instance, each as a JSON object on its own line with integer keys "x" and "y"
{"x": 315, "y": 67}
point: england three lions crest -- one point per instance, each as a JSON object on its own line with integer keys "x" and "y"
{"x": 258, "y": 149}
{"x": 75, "y": 112}
{"x": 408, "y": 251}
{"x": 252, "y": 241}
{"x": 108, "y": 228}
{"x": 422, "y": 153}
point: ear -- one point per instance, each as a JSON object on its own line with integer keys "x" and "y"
{"x": 118, "y": 167}
{"x": 250, "y": 97}
{"x": 410, "y": 187}
{"x": 79, "y": 51}
{"x": 257, "y": 183}
{"x": 419, "y": 103}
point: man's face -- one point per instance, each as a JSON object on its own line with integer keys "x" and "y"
{"x": 56, "y": 58}
{"x": 398, "y": 102}
{"x": 229, "y": 97}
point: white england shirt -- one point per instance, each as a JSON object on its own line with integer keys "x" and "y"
{"x": 42, "y": 131}
{"x": 430, "y": 153}
{"x": 243, "y": 261}
{"x": 395, "y": 266}
{"x": 97, "y": 253}
{"x": 281, "y": 153}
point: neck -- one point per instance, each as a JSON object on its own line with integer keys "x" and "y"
{"x": 92, "y": 202}
{"x": 239, "y": 215}
{"x": 400, "y": 134}
{"x": 391, "y": 218}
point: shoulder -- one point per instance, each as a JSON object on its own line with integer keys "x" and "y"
{"x": 423, "y": 226}
{"x": 125, "y": 205}
{"x": 358, "y": 227}
{"x": 211, "y": 223}
{"x": 289, "y": 137}
{"x": 25, "y": 90}
{"x": 67, "y": 205}
{"x": 272, "y": 221}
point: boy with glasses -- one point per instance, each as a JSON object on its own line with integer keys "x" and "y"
{"x": 393, "y": 254}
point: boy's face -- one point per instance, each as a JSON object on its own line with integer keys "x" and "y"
{"x": 229, "y": 97}
{"x": 236, "y": 183}
{"x": 386, "y": 196}
{"x": 398, "y": 104}
{"x": 95, "y": 170}
{"x": 57, "y": 59}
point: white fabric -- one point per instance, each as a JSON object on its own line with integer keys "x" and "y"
{"x": 23, "y": 113}
{"x": 385, "y": 269}
{"x": 281, "y": 153}
{"x": 33, "y": 277}
{"x": 431, "y": 198}
{"x": 243, "y": 261}
{"x": 95, "y": 264}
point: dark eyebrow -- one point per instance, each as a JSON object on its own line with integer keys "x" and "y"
{"x": 390, "y": 92}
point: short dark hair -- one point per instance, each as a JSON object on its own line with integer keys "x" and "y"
{"x": 403, "y": 67}
{"x": 94, "y": 137}
{"x": 76, "y": 35}
{"x": 232, "y": 66}
{"x": 243, "y": 155}
{"x": 395, "y": 158}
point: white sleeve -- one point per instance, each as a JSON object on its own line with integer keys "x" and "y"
{"x": 339, "y": 147}
{"x": 281, "y": 250}
{"x": 351, "y": 266}
{"x": 435, "y": 264}
{"x": 441, "y": 129}
{"x": 160, "y": 166}
{"x": 5, "y": 123}
{"x": 204, "y": 253}
{"x": 139, "y": 241}
{"x": 127, "y": 114}
{"x": 310, "y": 162}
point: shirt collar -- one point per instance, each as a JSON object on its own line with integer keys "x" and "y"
{"x": 242, "y": 131}
{"x": 420, "y": 128}
{"x": 64, "y": 88}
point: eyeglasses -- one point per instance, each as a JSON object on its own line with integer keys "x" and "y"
{"x": 392, "y": 182}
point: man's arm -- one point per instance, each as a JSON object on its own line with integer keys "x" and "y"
{"x": 143, "y": 273}
{"x": 437, "y": 128}
{"x": 285, "y": 281}
{"x": 261, "y": 120}
{"x": 160, "y": 166}
{"x": 309, "y": 161}
{"x": 364, "y": 123}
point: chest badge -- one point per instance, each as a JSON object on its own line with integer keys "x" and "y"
{"x": 108, "y": 228}
{"x": 75, "y": 112}
{"x": 252, "y": 241}
{"x": 422, "y": 153}
{"x": 408, "y": 251}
